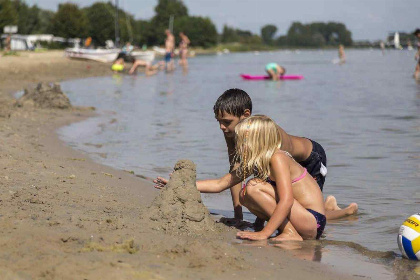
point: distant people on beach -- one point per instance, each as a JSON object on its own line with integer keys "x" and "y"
{"x": 275, "y": 71}
{"x": 382, "y": 46}
{"x": 169, "y": 50}
{"x": 150, "y": 69}
{"x": 235, "y": 105}
{"x": 183, "y": 49}
{"x": 417, "y": 56}
{"x": 125, "y": 56}
{"x": 341, "y": 54}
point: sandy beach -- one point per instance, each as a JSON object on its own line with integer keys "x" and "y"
{"x": 62, "y": 216}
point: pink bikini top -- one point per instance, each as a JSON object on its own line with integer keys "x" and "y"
{"x": 303, "y": 173}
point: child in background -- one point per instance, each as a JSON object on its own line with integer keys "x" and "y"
{"x": 341, "y": 54}
{"x": 275, "y": 71}
{"x": 417, "y": 56}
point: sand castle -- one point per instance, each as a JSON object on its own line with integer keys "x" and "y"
{"x": 45, "y": 95}
{"x": 178, "y": 208}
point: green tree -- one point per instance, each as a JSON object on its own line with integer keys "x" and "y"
{"x": 101, "y": 18}
{"x": 229, "y": 35}
{"x": 70, "y": 22}
{"x": 142, "y": 31}
{"x": 267, "y": 33}
{"x": 45, "y": 18}
{"x": 201, "y": 31}
{"x": 317, "y": 34}
{"x": 28, "y": 17}
{"x": 8, "y": 14}
{"x": 164, "y": 10}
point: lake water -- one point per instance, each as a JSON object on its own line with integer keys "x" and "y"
{"x": 366, "y": 114}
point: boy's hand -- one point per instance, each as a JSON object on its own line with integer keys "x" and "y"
{"x": 160, "y": 182}
{"x": 250, "y": 235}
{"x": 237, "y": 223}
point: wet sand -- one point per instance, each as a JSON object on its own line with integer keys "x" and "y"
{"x": 62, "y": 216}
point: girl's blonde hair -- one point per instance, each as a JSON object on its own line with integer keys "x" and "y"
{"x": 257, "y": 138}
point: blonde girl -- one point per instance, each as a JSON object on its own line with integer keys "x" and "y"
{"x": 281, "y": 192}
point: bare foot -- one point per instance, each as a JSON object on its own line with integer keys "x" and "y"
{"x": 352, "y": 209}
{"x": 287, "y": 237}
{"x": 331, "y": 203}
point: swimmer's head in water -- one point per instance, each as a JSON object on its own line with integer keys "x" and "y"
{"x": 417, "y": 33}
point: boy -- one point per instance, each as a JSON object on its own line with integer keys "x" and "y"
{"x": 234, "y": 105}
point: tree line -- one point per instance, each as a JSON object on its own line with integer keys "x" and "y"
{"x": 98, "y": 22}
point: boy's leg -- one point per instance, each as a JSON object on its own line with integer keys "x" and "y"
{"x": 316, "y": 165}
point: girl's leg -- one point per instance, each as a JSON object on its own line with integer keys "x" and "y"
{"x": 261, "y": 199}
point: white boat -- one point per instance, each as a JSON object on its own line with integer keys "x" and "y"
{"x": 397, "y": 44}
{"x": 148, "y": 56}
{"x": 101, "y": 55}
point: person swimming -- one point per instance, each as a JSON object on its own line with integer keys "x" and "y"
{"x": 275, "y": 71}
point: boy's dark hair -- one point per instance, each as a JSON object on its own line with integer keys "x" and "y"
{"x": 416, "y": 32}
{"x": 234, "y": 101}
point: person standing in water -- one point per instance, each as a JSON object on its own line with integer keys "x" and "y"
{"x": 183, "y": 49}
{"x": 341, "y": 54}
{"x": 417, "y": 56}
{"x": 382, "y": 46}
{"x": 275, "y": 71}
{"x": 169, "y": 50}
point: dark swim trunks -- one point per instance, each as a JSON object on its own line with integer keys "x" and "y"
{"x": 321, "y": 221}
{"x": 316, "y": 164}
{"x": 168, "y": 56}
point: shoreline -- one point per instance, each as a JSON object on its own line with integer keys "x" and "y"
{"x": 56, "y": 202}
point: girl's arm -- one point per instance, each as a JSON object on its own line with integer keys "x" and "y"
{"x": 219, "y": 185}
{"x": 208, "y": 186}
{"x": 280, "y": 169}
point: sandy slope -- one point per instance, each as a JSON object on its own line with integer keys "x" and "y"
{"x": 63, "y": 216}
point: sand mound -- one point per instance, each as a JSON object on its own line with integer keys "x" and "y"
{"x": 45, "y": 96}
{"x": 178, "y": 208}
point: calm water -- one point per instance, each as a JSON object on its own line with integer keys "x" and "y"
{"x": 365, "y": 113}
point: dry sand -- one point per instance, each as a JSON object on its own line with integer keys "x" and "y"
{"x": 62, "y": 216}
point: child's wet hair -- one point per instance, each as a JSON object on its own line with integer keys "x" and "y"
{"x": 234, "y": 101}
{"x": 284, "y": 70}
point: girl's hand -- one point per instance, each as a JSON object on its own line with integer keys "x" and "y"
{"x": 160, "y": 182}
{"x": 250, "y": 235}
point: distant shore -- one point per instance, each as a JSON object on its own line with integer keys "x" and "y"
{"x": 62, "y": 216}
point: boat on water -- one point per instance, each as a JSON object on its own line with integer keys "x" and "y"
{"x": 397, "y": 44}
{"x": 101, "y": 55}
{"x": 106, "y": 55}
{"x": 148, "y": 56}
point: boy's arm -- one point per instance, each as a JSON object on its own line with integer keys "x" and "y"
{"x": 236, "y": 189}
